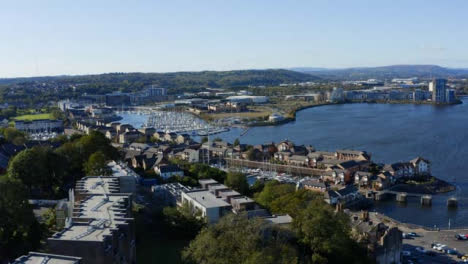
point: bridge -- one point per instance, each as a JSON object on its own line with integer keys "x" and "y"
{"x": 426, "y": 199}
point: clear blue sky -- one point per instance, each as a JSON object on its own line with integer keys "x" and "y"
{"x": 79, "y": 37}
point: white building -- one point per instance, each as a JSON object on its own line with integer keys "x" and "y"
{"x": 248, "y": 99}
{"x": 210, "y": 206}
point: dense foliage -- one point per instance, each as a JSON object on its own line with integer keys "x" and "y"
{"x": 315, "y": 236}
{"x": 237, "y": 181}
{"x": 48, "y": 173}
{"x": 236, "y": 239}
{"x": 19, "y": 230}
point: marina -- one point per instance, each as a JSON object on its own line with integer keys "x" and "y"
{"x": 170, "y": 121}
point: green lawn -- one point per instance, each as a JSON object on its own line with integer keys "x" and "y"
{"x": 34, "y": 117}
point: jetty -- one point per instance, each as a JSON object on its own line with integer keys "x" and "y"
{"x": 401, "y": 197}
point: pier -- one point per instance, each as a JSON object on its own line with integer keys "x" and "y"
{"x": 452, "y": 202}
{"x": 402, "y": 197}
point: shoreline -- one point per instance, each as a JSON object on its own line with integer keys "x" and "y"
{"x": 294, "y": 112}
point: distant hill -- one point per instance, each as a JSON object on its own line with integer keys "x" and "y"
{"x": 386, "y": 72}
{"x": 201, "y": 79}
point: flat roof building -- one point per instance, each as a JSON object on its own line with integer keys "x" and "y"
{"x": 39, "y": 258}
{"x": 210, "y": 206}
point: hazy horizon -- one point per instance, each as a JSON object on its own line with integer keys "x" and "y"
{"x": 291, "y": 69}
{"x": 88, "y": 37}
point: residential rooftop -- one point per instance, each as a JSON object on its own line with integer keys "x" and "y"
{"x": 207, "y": 199}
{"x": 98, "y": 185}
{"x": 40, "y": 258}
{"x": 97, "y": 230}
{"x": 100, "y": 206}
{"x": 243, "y": 199}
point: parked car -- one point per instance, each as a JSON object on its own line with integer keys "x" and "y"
{"x": 439, "y": 247}
{"x": 412, "y": 234}
{"x": 406, "y": 253}
{"x": 461, "y": 237}
{"x": 450, "y": 251}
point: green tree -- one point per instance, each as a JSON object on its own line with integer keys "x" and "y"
{"x": 204, "y": 140}
{"x": 19, "y": 230}
{"x": 236, "y": 239}
{"x": 272, "y": 191}
{"x": 203, "y": 171}
{"x": 14, "y": 136}
{"x": 237, "y": 181}
{"x": 73, "y": 157}
{"x": 96, "y": 141}
{"x": 40, "y": 169}
{"x": 322, "y": 233}
{"x": 97, "y": 164}
{"x": 183, "y": 221}
{"x": 236, "y": 142}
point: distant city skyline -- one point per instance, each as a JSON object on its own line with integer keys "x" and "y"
{"x": 41, "y": 38}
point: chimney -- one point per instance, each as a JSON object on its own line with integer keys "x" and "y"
{"x": 364, "y": 215}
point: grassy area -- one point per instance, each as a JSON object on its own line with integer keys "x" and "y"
{"x": 34, "y": 116}
{"x": 31, "y": 117}
{"x": 262, "y": 112}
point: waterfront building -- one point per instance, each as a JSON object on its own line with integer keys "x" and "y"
{"x": 336, "y": 95}
{"x": 275, "y": 117}
{"x": 438, "y": 88}
{"x": 421, "y": 95}
{"x": 343, "y": 154}
{"x": 450, "y": 96}
{"x": 421, "y": 166}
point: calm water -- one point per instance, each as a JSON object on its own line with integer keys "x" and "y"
{"x": 390, "y": 133}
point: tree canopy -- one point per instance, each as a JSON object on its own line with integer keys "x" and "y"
{"x": 40, "y": 169}
{"x": 236, "y": 239}
{"x": 237, "y": 181}
{"x": 19, "y": 230}
{"x": 97, "y": 164}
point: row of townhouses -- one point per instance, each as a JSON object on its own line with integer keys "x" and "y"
{"x": 98, "y": 227}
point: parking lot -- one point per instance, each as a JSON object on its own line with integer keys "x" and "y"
{"x": 425, "y": 238}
